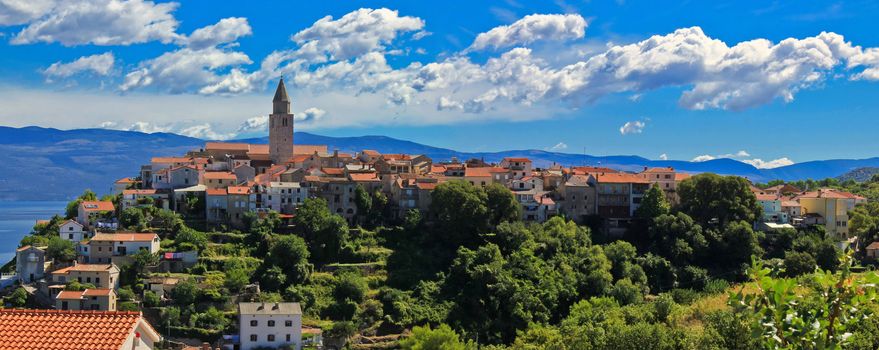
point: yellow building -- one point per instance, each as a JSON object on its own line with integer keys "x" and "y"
{"x": 833, "y": 206}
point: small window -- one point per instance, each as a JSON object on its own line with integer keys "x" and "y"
{"x": 253, "y": 323}
{"x": 288, "y": 323}
{"x": 271, "y": 323}
{"x": 288, "y": 338}
{"x": 253, "y": 337}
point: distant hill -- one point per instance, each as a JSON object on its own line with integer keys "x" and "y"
{"x": 50, "y": 164}
{"x": 859, "y": 174}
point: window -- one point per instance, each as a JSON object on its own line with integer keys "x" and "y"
{"x": 88, "y": 280}
{"x": 253, "y": 323}
{"x": 288, "y": 338}
{"x": 271, "y": 323}
{"x": 70, "y": 228}
{"x": 97, "y": 280}
{"x": 288, "y": 323}
{"x": 271, "y": 337}
{"x": 253, "y": 336}
{"x": 69, "y": 236}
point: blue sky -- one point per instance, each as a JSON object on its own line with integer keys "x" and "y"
{"x": 751, "y": 80}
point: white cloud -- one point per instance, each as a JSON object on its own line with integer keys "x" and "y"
{"x": 739, "y": 154}
{"x": 354, "y": 34}
{"x": 102, "y": 22}
{"x": 148, "y": 127}
{"x": 530, "y": 29}
{"x": 663, "y": 156}
{"x": 310, "y": 115}
{"x": 760, "y": 164}
{"x": 561, "y": 146}
{"x": 108, "y": 125}
{"x": 13, "y": 12}
{"x": 98, "y": 64}
{"x": 633, "y": 127}
{"x": 255, "y": 124}
{"x": 703, "y": 158}
{"x": 182, "y": 70}
{"x": 204, "y": 131}
{"x": 227, "y": 30}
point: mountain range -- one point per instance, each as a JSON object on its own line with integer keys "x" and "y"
{"x": 50, "y": 164}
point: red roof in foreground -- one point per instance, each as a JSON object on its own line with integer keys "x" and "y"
{"x": 63, "y": 329}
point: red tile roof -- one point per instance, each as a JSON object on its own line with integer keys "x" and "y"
{"x": 216, "y": 192}
{"x": 126, "y": 180}
{"x": 64, "y": 329}
{"x": 139, "y": 192}
{"x": 363, "y": 177}
{"x": 583, "y": 170}
{"x": 97, "y": 292}
{"x": 97, "y": 206}
{"x": 873, "y": 246}
{"x": 227, "y": 146}
{"x": 220, "y": 175}
{"x": 69, "y": 294}
{"x": 659, "y": 170}
{"x": 333, "y": 171}
{"x": 256, "y": 150}
{"x": 89, "y": 267}
{"x": 309, "y": 149}
{"x": 620, "y": 178}
{"x": 370, "y": 152}
{"x": 681, "y": 176}
{"x": 517, "y": 159}
{"x": 170, "y": 160}
{"x": 125, "y": 237}
{"x": 828, "y": 193}
{"x": 239, "y": 190}
{"x": 299, "y": 158}
{"x": 766, "y": 197}
{"x": 426, "y": 185}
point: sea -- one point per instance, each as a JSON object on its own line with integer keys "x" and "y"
{"x": 18, "y": 218}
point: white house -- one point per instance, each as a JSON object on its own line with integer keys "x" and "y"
{"x": 269, "y": 325}
{"x": 72, "y": 231}
{"x": 30, "y": 263}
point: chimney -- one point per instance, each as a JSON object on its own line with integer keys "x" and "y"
{"x": 205, "y": 346}
{"x": 645, "y": 168}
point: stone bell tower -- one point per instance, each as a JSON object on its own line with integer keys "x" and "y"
{"x": 281, "y": 127}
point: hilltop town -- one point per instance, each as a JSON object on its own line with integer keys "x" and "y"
{"x": 285, "y": 245}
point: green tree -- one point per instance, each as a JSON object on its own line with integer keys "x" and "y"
{"x": 189, "y": 238}
{"x": 236, "y": 279}
{"x": 653, "y": 204}
{"x": 290, "y": 255}
{"x": 150, "y": 299}
{"x": 60, "y": 249}
{"x": 133, "y": 218}
{"x": 440, "y": 338}
{"x": 798, "y": 263}
{"x": 326, "y": 233}
{"x": 461, "y": 213}
{"x": 18, "y": 298}
{"x": 363, "y": 201}
{"x": 73, "y": 206}
{"x": 350, "y": 285}
{"x": 502, "y": 204}
{"x": 713, "y": 199}
{"x": 185, "y": 293}
{"x": 678, "y": 238}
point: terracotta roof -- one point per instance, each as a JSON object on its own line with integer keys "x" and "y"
{"x": 766, "y": 197}
{"x": 333, "y": 171}
{"x": 227, "y": 146}
{"x": 238, "y": 190}
{"x": 62, "y": 271}
{"x": 97, "y": 292}
{"x": 681, "y": 176}
{"x": 97, "y": 206}
{"x": 874, "y": 245}
{"x": 216, "y": 192}
{"x": 828, "y": 193}
{"x": 259, "y": 150}
{"x": 582, "y": 170}
{"x": 790, "y": 203}
{"x": 426, "y": 185}
{"x": 620, "y": 178}
{"x": 125, "y": 237}
{"x": 659, "y": 170}
{"x": 220, "y": 175}
{"x": 65, "y": 329}
{"x": 139, "y": 192}
{"x": 170, "y": 160}
{"x": 370, "y": 152}
{"x": 126, "y": 180}
{"x": 299, "y": 158}
{"x": 23, "y": 248}
{"x": 517, "y": 159}
{"x": 90, "y": 267}
{"x": 69, "y": 294}
{"x": 363, "y": 177}
{"x": 578, "y": 180}
{"x": 309, "y": 149}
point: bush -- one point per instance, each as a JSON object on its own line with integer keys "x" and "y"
{"x": 663, "y": 307}
{"x": 125, "y": 294}
{"x": 128, "y": 306}
{"x": 716, "y": 286}
{"x": 798, "y": 263}
{"x": 150, "y": 299}
{"x": 626, "y": 292}
{"x": 684, "y": 296}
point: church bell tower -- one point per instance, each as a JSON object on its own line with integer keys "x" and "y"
{"x": 281, "y": 127}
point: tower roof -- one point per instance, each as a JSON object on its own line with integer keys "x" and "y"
{"x": 281, "y": 93}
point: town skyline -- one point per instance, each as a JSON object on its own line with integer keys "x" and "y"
{"x": 144, "y": 77}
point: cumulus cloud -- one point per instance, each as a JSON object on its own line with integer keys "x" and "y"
{"x": 532, "y": 28}
{"x": 204, "y": 131}
{"x": 354, "y": 34}
{"x": 703, "y": 158}
{"x": 663, "y": 156}
{"x": 561, "y": 146}
{"x": 148, "y": 128}
{"x": 633, "y": 127}
{"x": 255, "y": 124}
{"x": 760, "y": 164}
{"x": 182, "y": 70}
{"x": 739, "y": 154}
{"x": 100, "y": 22}
{"x": 97, "y": 64}
{"x": 108, "y": 125}
{"x": 227, "y": 30}
{"x": 13, "y": 12}
{"x": 310, "y": 115}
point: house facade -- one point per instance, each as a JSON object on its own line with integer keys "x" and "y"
{"x": 269, "y": 325}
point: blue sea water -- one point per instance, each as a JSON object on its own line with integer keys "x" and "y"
{"x": 18, "y": 218}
